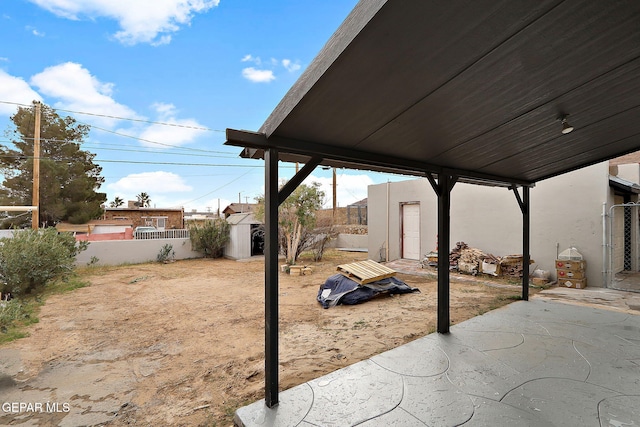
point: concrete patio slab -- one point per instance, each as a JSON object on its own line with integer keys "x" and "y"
{"x": 536, "y": 363}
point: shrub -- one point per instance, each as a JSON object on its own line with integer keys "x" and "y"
{"x": 210, "y": 238}
{"x": 32, "y": 258}
{"x": 166, "y": 254}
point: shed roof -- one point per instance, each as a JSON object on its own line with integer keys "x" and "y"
{"x": 240, "y": 207}
{"x": 242, "y": 218}
{"x": 470, "y": 87}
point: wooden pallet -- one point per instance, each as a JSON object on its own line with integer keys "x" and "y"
{"x": 365, "y": 271}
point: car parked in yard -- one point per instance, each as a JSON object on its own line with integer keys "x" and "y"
{"x": 142, "y": 232}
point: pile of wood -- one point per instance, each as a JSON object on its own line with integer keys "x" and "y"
{"x": 473, "y": 261}
{"x": 364, "y": 272}
{"x": 470, "y": 260}
{"x": 456, "y": 253}
{"x": 511, "y": 265}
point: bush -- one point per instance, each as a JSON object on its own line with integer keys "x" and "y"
{"x": 166, "y": 254}
{"x": 210, "y": 238}
{"x": 32, "y": 258}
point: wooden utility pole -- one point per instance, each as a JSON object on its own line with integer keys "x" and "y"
{"x": 35, "y": 200}
{"x": 335, "y": 198}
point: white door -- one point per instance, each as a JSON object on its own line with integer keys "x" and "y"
{"x": 411, "y": 231}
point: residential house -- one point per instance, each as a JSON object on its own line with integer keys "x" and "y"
{"x": 160, "y": 218}
{"x": 99, "y": 229}
{"x": 235, "y": 208}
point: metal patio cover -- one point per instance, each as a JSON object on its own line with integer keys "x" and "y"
{"x": 457, "y": 91}
{"x": 475, "y": 87}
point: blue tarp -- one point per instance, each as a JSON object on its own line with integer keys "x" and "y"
{"x": 339, "y": 289}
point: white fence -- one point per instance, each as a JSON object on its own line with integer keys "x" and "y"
{"x": 165, "y": 234}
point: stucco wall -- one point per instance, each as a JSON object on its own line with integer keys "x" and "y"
{"x": 350, "y": 241}
{"x": 118, "y": 252}
{"x": 384, "y": 208}
{"x": 565, "y": 211}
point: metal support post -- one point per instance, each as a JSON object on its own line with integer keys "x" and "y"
{"x": 526, "y": 239}
{"x": 443, "y": 189}
{"x": 271, "y": 277}
{"x": 524, "y": 203}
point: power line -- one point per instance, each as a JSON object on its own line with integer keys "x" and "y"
{"x": 166, "y": 153}
{"x": 144, "y": 140}
{"x": 134, "y": 162}
{"x": 99, "y": 145}
{"x": 217, "y": 189}
{"x": 121, "y": 118}
{"x": 177, "y": 163}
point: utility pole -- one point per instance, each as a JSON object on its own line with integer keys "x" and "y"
{"x": 335, "y": 198}
{"x": 35, "y": 199}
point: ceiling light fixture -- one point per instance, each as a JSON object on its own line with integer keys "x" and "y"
{"x": 566, "y": 127}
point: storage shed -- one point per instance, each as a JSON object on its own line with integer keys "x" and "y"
{"x": 246, "y": 236}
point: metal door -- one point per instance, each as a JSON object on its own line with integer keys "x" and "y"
{"x": 623, "y": 262}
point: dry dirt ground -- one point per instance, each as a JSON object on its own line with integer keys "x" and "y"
{"x": 183, "y": 343}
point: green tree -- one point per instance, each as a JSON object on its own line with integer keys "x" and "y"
{"x": 144, "y": 200}
{"x": 296, "y": 218}
{"x": 117, "y": 202}
{"x": 211, "y": 237}
{"x": 69, "y": 179}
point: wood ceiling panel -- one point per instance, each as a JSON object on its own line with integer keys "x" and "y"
{"x": 372, "y": 82}
{"x": 611, "y": 94}
{"x": 603, "y": 139}
{"x": 527, "y": 72}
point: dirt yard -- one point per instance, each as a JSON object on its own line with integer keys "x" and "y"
{"x": 183, "y": 343}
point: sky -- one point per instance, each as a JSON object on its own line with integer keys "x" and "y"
{"x": 159, "y": 81}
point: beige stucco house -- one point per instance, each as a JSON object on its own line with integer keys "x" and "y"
{"x": 582, "y": 209}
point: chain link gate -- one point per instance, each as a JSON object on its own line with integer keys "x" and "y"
{"x": 624, "y": 253}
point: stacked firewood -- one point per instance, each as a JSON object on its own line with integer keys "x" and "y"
{"x": 471, "y": 260}
{"x": 511, "y": 265}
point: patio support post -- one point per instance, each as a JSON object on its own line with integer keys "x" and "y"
{"x": 443, "y": 188}
{"x": 525, "y": 208}
{"x": 526, "y": 242}
{"x": 271, "y": 277}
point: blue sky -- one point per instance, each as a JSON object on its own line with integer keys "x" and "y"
{"x": 200, "y": 65}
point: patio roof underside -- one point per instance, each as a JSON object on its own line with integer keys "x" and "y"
{"x": 471, "y": 88}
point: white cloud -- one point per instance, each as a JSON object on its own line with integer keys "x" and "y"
{"x": 291, "y": 66}
{"x": 15, "y": 89}
{"x": 34, "y": 31}
{"x": 159, "y": 182}
{"x": 258, "y": 76}
{"x": 265, "y": 71}
{"x": 251, "y": 58}
{"x": 141, "y": 21}
{"x": 350, "y": 188}
{"x": 78, "y": 90}
{"x": 170, "y": 135}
